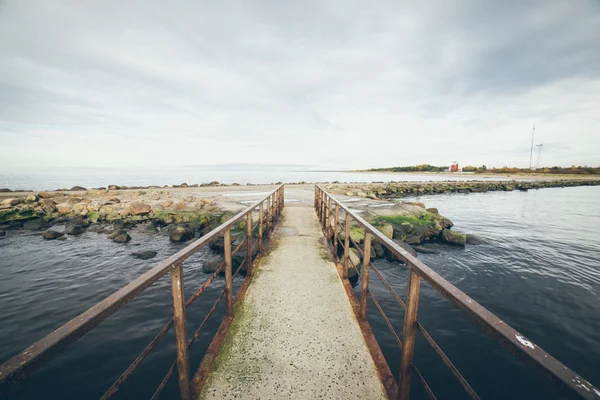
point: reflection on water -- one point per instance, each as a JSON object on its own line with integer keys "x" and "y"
{"x": 539, "y": 272}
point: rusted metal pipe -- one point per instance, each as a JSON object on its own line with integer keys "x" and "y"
{"x": 346, "y": 246}
{"x": 228, "y": 280}
{"x": 249, "y": 244}
{"x": 268, "y": 217}
{"x": 183, "y": 362}
{"x": 365, "y": 276}
{"x": 260, "y": 228}
{"x": 336, "y": 229}
{"x": 409, "y": 335}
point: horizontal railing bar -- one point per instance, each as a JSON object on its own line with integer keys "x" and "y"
{"x": 43, "y": 350}
{"x": 388, "y": 286}
{"x": 461, "y": 379}
{"x": 239, "y": 246}
{"x": 424, "y": 383}
{"x": 385, "y": 318}
{"x": 512, "y": 340}
{"x": 163, "y": 383}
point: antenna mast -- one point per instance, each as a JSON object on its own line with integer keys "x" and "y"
{"x": 531, "y": 152}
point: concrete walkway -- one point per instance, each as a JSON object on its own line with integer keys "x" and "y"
{"x": 295, "y": 336}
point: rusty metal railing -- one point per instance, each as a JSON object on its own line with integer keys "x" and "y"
{"x": 56, "y": 342}
{"x": 328, "y": 210}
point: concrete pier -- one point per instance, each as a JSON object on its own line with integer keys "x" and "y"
{"x": 295, "y": 335}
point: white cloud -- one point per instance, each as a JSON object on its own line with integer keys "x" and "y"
{"x": 344, "y": 85}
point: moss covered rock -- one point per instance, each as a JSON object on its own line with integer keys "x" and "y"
{"x": 453, "y": 237}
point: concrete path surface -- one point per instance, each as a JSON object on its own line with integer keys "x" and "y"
{"x": 295, "y": 335}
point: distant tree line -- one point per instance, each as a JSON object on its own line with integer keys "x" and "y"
{"x": 413, "y": 168}
{"x": 573, "y": 170}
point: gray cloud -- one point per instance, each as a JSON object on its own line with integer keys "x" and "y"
{"x": 341, "y": 84}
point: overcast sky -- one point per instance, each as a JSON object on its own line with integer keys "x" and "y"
{"x": 334, "y": 84}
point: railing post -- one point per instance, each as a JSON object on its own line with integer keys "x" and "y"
{"x": 183, "y": 363}
{"x": 329, "y": 214}
{"x": 365, "y": 276}
{"x": 346, "y": 246}
{"x": 268, "y": 217}
{"x": 280, "y": 200}
{"x": 273, "y": 210}
{"x": 228, "y": 284}
{"x": 249, "y": 244}
{"x": 323, "y": 210}
{"x": 260, "y": 228}
{"x": 336, "y": 222}
{"x": 408, "y": 340}
{"x": 318, "y": 205}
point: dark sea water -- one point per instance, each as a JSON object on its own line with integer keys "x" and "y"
{"x": 539, "y": 272}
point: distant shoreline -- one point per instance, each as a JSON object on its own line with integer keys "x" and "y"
{"x": 515, "y": 176}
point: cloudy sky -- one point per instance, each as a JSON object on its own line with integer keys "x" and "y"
{"x": 334, "y": 84}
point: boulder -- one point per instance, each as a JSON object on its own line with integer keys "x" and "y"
{"x": 145, "y": 255}
{"x": 80, "y": 208}
{"x": 453, "y": 237}
{"x": 78, "y": 221}
{"x": 139, "y": 208}
{"x": 386, "y": 229}
{"x": 35, "y": 224}
{"x": 64, "y": 208}
{"x": 44, "y": 195}
{"x": 51, "y": 234}
{"x": 425, "y": 250}
{"x": 32, "y": 198}
{"x": 392, "y": 257}
{"x": 433, "y": 210}
{"x": 212, "y": 265}
{"x": 48, "y": 206}
{"x": 150, "y": 227}
{"x": 446, "y": 223}
{"x": 93, "y": 206}
{"x": 167, "y": 204}
{"x": 10, "y": 202}
{"x": 113, "y": 187}
{"x": 78, "y": 189}
{"x": 377, "y": 249}
{"x": 120, "y": 236}
{"x": 355, "y": 264}
{"x": 180, "y": 233}
{"x": 74, "y": 229}
{"x": 474, "y": 240}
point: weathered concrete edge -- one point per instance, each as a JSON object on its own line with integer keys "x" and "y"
{"x": 384, "y": 373}
{"x": 215, "y": 345}
{"x": 212, "y": 352}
